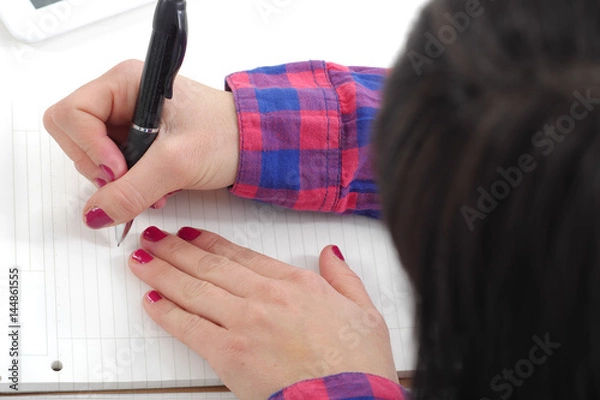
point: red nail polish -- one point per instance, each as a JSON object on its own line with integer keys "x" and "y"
{"x": 96, "y": 218}
{"x": 189, "y": 234}
{"x": 154, "y": 234}
{"x": 154, "y": 297}
{"x": 109, "y": 173}
{"x": 100, "y": 182}
{"x": 338, "y": 253}
{"x": 142, "y": 257}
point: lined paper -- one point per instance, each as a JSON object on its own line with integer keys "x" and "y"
{"x": 79, "y": 304}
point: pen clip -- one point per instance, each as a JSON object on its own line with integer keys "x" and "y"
{"x": 178, "y": 52}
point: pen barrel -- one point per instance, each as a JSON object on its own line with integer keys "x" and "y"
{"x": 150, "y": 101}
{"x": 138, "y": 142}
{"x": 163, "y": 59}
{"x": 151, "y": 96}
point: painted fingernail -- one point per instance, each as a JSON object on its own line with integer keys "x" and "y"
{"x": 142, "y": 256}
{"x": 154, "y": 297}
{"x": 100, "y": 182}
{"x": 154, "y": 234}
{"x": 109, "y": 173}
{"x": 96, "y": 218}
{"x": 338, "y": 253}
{"x": 189, "y": 234}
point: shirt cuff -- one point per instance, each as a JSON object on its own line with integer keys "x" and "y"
{"x": 296, "y": 148}
{"x": 349, "y": 385}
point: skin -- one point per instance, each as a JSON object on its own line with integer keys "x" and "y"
{"x": 261, "y": 324}
{"x": 87, "y": 123}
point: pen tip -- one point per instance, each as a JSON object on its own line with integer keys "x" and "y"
{"x": 121, "y": 232}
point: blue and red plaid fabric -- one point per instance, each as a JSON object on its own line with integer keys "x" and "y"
{"x": 305, "y": 134}
{"x": 350, "y": 385}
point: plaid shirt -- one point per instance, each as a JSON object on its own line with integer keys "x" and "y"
{"x": 350, "y": 385}
{"x": 304, "y": 144}
{"x": 305, "y": 133}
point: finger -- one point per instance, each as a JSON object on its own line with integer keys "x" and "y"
{"x": 193, "y": 261}
{"x": 215, "y": 244}
{"x": 334, "y": 269}
{"x": 199, "y": 334}
{"x": 192, "y": 294}
{"x": 84, "y": 164}
{"x": 136, "y": 191}
{"x": 161, "y": 203}
{"x": 85, "y": 122}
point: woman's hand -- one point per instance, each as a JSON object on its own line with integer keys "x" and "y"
{"x": 261, "y": 324}
{"x": 197, "y": 147}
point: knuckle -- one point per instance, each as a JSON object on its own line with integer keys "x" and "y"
{"x": 214, "y": 242}
{"x": 246, "y": 256}
{"x": 237, "y": 345}
{"x": 194, "y": 289}
{"x": 304, "y": 278}
{"x": 80, "y": 164}
{"x": 129, "y": 197}
{"x": 190, "y": 326}
{"x": 209, "y": 263}
{"x": 172, "y": 251}
{"x": 259, "y": 315}
{"x": 276, "y": 294}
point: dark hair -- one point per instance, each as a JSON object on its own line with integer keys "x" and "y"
{"x": 488, "y": 156}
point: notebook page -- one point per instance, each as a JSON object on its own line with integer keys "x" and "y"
{"x": 80, "y": 324}
{"x": 137, "y": 396}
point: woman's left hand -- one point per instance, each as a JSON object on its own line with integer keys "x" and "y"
{"x": 261, "y": 324}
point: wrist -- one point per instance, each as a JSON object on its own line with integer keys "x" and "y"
{"x": 231, "y": 132}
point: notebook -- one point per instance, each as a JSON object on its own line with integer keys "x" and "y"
{"x": 135, "y": 396}
{"x": 71, "y": 314}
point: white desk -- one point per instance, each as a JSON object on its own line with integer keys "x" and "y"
{"x": 224, "y": 36}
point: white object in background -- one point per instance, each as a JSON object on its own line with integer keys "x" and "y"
{"x": 35, "y": 20}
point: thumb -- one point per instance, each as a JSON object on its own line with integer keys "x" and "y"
{"x": 136, "y": 191}
{"x": 336, "y": 272}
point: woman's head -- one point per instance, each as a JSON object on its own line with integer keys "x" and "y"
{"x": 488, "y": 152}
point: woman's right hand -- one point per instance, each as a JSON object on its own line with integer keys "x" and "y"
{"x": 197, "y": 147}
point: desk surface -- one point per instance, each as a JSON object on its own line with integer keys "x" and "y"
{"x": 225, "y": 36}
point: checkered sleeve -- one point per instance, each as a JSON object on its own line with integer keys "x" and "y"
{"x": 305, "y": 136}
{"x": 350, "y": 385}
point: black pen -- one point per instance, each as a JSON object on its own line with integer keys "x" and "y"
{"x": 163, "y": 60}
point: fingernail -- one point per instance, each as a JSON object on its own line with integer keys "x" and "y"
{"x": 154, "y": 234}
{"x": 189, "y": 234}
{"x": 96, "y": 218}
{"x": 154, "y": 297}
{"x": 109, "y": 173}
{"x": 336, "y": 250}
{"x": 142, "y": 257}
{"x": 100, "y": 182}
